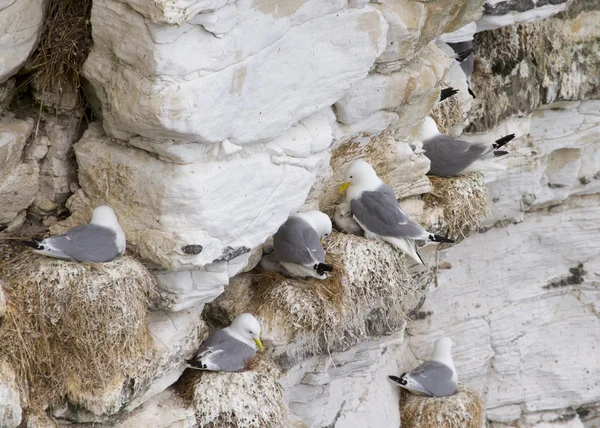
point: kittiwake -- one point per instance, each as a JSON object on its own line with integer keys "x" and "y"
{"x": 450, "y": 156}
{"x": 435, "y": 378}
{"x": 297, "y": 245}
{"x": 376, "y": 209}
{"x": 229, "y": 349}
{"x": 100, "y": 241}
{"x": 464, "y": 54}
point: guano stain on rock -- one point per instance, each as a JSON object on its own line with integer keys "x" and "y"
{"x": 239, "y": 78}
{"x": 368, "y": 23}
{"x": 278, "y": 9}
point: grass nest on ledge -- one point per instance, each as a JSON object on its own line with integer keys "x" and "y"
{"x": 369, "y": 294}
{"x": 251, "y": 398}
{"x": 464, "y": 201}
{"x": 461, "y": 410}
{"x": 69, "y": 323}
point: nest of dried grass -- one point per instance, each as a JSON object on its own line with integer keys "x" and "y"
{"x": 448, "y": 115}
{"x": 463, "y": 199}
{"x": 462, "y": 410}
{"x": 251, "y": 398}
{"x": 365, "y": 296}
{"x": 73, "y": 323}
{"x": 64, "y": 45}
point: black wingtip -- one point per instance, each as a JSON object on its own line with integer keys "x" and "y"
{"x": 3, "y": 227}
{"x": 447, "y": 93}
{"x": 438, "y": 238}
{"x": 33, "y": 244}
{"x": 472, "y": 93}
{"x": 499, "y": 153}
{"x": 420, "y": 258}
{"x": 502, "y": 141}
{"x": 460, "y": 57}
{"x": 395, "y": 379}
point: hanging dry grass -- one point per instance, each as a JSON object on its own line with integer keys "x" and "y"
{"x": 332, "y": 314}
{"x": 73, "y": 323}
{"x": 64, "y": 45}
{"x": 462, "y": 410}
{"x": 463, "y": 199}
{"x": 252, "y": 398}
{"x": 448, "y": 115}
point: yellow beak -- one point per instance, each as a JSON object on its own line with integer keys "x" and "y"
{"x": 321, "y": 239}
{"x": 344, "y": 186}
{"x": 259, "y": 344}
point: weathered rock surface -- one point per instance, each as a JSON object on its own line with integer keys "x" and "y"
{"x": 170, "y": 97}
{"x": 515, "y": 328}
{"x": 21, "y": 23}
{"x": 10, "y": 398}
{"x": 18, "y": 176}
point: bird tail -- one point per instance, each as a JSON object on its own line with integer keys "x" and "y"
{"x": 438, "y": 238}
{"x": 484, "y": 165}
{"x": 502, "y": 141}
{"x": 460, "y": 57}
{"x": 406, "y": 246}
{"x": 196, "y": 364}
{"x": 447, "y": 93}
{"x": 36, "y": 245}
{"x": 321, "y": 268}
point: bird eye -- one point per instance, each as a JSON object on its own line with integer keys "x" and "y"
{"x": 350, "y": 176}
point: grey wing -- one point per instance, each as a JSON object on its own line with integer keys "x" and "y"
{"x": 467, "y": 64}
{"x": 297, "y": 242}
{"x": 435, "y": 378}
{"x": 449, "y": 156}
{"x": 225, "y": 352}
{"x": 87, "y": 243}
{"x": 380, "y": 213}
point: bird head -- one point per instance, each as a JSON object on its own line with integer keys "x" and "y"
{"x": 248, "y": 327}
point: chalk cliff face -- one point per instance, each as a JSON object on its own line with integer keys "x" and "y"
{"x": 217, "y": 119}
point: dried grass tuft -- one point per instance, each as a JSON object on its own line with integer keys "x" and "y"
{"x": 448, "y": 115}
{"x": 366, "y": 296}
{"x": 462, "y": 410}
{"x": 463, "y": 199}
{"x": 73, "y": 323}
{"x": 251, "y": 398}
{"x": 64, "y": 45}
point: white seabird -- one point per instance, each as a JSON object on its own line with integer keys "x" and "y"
{"x": 100, "y": 241}
{"x": 229, "y": 349}
{"x": 376, "y": 209}
{"x": 434, "y": 378}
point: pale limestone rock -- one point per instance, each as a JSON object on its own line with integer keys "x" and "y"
{"x": 503, "y": 13}
{"x": 58, "y": 171}
{"x": 174, "y": 12}
{"x": 10, "y": 401}
{"x": 13, "y": 136}
{"x": 17, "y": 191}
{"x": 524, "y": 334}
{"x": 39, "y": 420}
{"x": 555, "y": 157}
{"x": 184, "y": 289}
{"x": 396, "y": 91}
{"x": 350, "y": 389}
{"x": 176, "y": 337}
{"x": 153, "y": 199}
{"x": 21, "y": 24}
{"x": 164, "y": 410}
{"x": 202, "y": 101}
{"x": 219, "y": 22}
